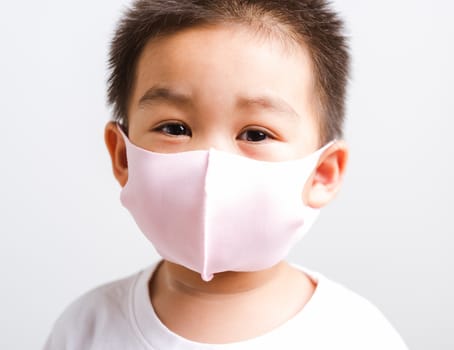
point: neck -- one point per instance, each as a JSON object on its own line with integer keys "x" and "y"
{"x": 181, "y": 280}
{"x": 221, "y": 310}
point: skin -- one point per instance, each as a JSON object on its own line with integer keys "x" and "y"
{"x": 225, "y": 87}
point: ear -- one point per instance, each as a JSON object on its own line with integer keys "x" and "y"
{"x": 117, "y": 150}
{"x": 326, "y": 180}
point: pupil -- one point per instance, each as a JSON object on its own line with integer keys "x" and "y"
{"x": 255, "y": 136}
{"x": 176, "y": 129}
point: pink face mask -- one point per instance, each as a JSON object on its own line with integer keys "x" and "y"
{"x": 213, "y": 211}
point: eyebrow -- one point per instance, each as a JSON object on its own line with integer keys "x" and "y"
{"x": 268, "y": 102}
{"x": 165, "y": 94}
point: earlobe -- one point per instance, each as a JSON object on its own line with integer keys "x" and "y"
{"x": 327, "y": 178}
{"x": 117, "y": 150}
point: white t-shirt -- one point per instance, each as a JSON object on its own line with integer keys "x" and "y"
{"x": 120, "y": 316}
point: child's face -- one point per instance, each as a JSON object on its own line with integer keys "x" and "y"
{"x": 225, "y": 88}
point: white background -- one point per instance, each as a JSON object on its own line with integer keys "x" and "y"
{"x": 388, "y": 236}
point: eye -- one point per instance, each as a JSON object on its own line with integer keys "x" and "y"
{"x": 254, "y": 135}
{"x": 173, "y": 129}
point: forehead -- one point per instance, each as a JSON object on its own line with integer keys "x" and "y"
{"x": 222, "y": 63}
{"x": 223, "y": 47}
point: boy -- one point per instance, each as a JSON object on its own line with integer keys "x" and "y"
{"x": 221, "y": 111}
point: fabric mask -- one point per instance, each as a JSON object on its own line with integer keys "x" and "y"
{"x": 212, "y": 211}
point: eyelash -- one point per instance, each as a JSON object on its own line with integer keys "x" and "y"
{"x": 181, "y": 129}
{"x": 263, "y": 135}
{"x": 161, "y": 128}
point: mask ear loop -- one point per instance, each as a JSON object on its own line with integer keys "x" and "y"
{"x": 326, "y": 146}
{"x": 122, "y": 128}
{"x": 318, "y": 153}
{"x": 124, "y": 134}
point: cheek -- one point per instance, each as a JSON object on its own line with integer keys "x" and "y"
{"x": 305, "y": 141}
{"x": 272, "y": 151}
{"x": 261, "y": 152}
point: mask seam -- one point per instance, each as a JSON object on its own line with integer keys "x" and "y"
{"x": 205, "y": 217}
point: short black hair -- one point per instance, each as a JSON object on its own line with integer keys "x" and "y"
{"x": 308, "y": 22}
